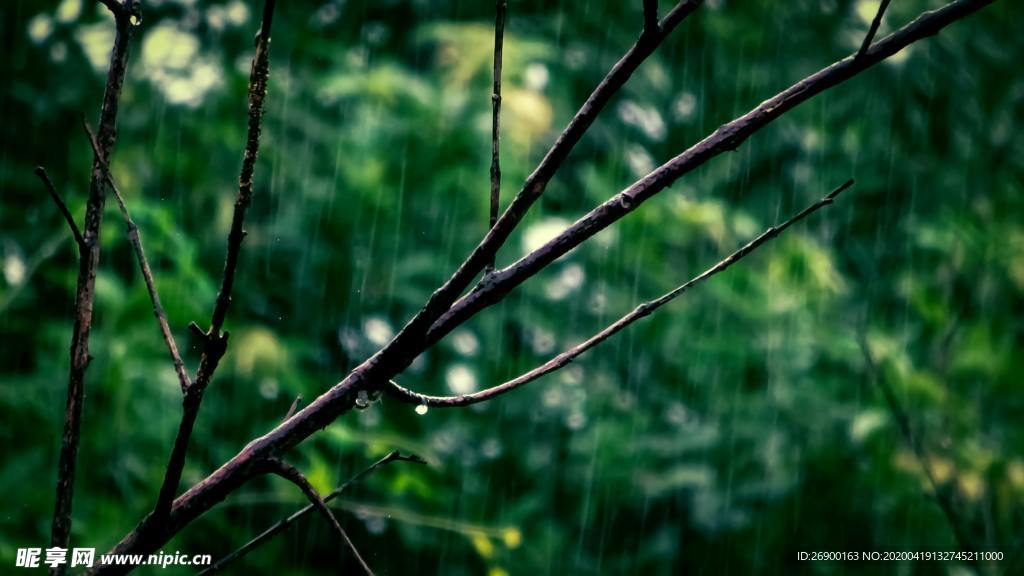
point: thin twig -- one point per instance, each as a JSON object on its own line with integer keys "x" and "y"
{"x": 499, "y": 35}
{"x": 941, "y": 493}
{"x": 374, "y": 373}
{"x": 215, "y": 342}
{"x": 292, "y": 474}
{"x": 61, "y": 206}
{"x": 147, "y": 272}
{"x": 875, "y": 22}
{"x": 284, "y": 524}
{"x": 645, "y": 309}
{"x": 296, "y": 404}
{"x": 88, "y": 262}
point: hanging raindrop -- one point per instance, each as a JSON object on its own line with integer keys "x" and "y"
{"x": 421, "y": 409}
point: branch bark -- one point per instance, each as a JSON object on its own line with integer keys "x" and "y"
{"x": 214, "y": 341}
{"x": 873, "y": 29}
{"x": 499, "y": 36}
{"x": 89, "y": 257}
{"x": 641, "y": 311}
{"x": 411, "y": 341}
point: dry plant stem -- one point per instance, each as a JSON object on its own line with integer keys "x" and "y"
{"x": 292, "y": 474}
{"x": 285, "y": 523}
{"x": 942, "y": 494}
{"x": 147, "y": 272}
{"x": 875, "y": 23}
{"x": 641, "y": 311}
{"x": 61, "y": 206}
{"x": 726, "y": 138}
{"x": 499, "y": 35}
{"x": 214, "y": 341}
{"x": 375, "y": 372}
{"x": 89, "y": 256}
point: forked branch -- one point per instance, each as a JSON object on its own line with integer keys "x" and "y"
{"x": 645, "y": 309}
{"x": 285, "y": 523}
{"x": 147, "y": 272}
{"x": 215, "y": 342}
{"x": 88, "y": 262}
{"x": 292, "y": 474}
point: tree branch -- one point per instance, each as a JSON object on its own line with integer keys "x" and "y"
{"x": 726, "y": 138}
{"x": 873, "y": 29}
{"x": 650, "y": 16}
{"x": 375, "y": 372}
{"x": 147, "y": 272}
{"x": 285, "y": 523}
{"x": 499, "y": 35}
{"x": 61, "y": 206}
{"x": 645, "y": 309}
{"x": 89, "y": 256}
{"x": 404, "y": 346}
{"x": 292, "y": 474}
{"x": 215, "y": 342}
{"x": 941, "y": 493}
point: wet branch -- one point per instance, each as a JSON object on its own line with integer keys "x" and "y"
{"x": 499, "y": 35}
{"x": 436, "y": 319}
{"x": 942, "y": 494}
{"x": 292, "y": 474}
{"x": 641, "y": 311}
{"x": 726, "y": 138}
{"x": 285, "y": 523}
{"x": 875, "y": 23}
{"x": 214, "y": 341}
{"x": 61, "y": 206}
{"x": 147, "y": 272}
{"x": 88, "y": 261}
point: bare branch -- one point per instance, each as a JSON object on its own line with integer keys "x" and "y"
{"x": 375, "y": 372}
{"x": 650, "y": 16}
{"x": 89, "y": 257}
{"x": 645, "y": 309}
{"x": 499, "y": 35}
{"x": 215, "y": 342}
{"x": 292, "y": 474}
{"x": 941, "y": 493}
{"x": 147, "y": 272}
{"x": 402, "y": 348}
{"x": 873, "y": 29}
{"x": 726, "y": 138}
{"x": 41, "y": 173}
{"x": 284, "y": 524}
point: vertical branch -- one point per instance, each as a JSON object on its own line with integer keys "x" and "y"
{"x": 147, "y": 272}
{"x": 214, "y": 341}
{"x": 650, "y": 16}
{"x": 875, "y": 23}
{"x": 292, "y": 474}
{"x": 85, "y": 287}
{"x": 499, "y": 36}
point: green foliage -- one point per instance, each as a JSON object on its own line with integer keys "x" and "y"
{"x": 724, "y": 434}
